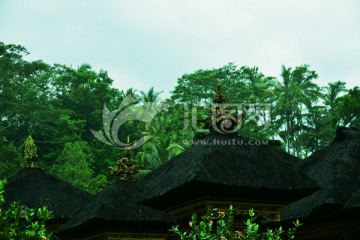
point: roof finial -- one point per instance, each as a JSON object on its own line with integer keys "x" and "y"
{"x": 30, "y": 153}
{"x": 126, "y": 167}
{"x": 219, "y": 97}
{"x": 223, "y": 119}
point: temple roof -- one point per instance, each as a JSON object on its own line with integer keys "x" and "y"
{"x": 215, "y": 168}
{"x": 353, "y": 201}
{"x": 336, "y": 168}
{"x": 117, "y": 208}
{"x": 35, "y": 188}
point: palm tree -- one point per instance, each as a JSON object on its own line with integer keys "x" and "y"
{"x": 259, "y": 86}
{"x": 307, "y": 91}
{"x": 331, "y": 98}
{"x": 317, "y": 130}
{"x": 296, "y": 95}
{"x": 150, "y": 95}
{"x": 332, "y": 92}
{"x": 163, "y": 145}
{"x": 285, "y": 105}
{"x": 130, "y": 92}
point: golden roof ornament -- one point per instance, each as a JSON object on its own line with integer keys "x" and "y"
{"x": 218, "y": 100}
{"x": 219, "y": 97}
{"x": 30, "y": 153}
{"x": 126, "y": 167}
{"x": 221, "y": 119}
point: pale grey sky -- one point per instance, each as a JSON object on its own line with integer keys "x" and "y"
{"x": 144, "y": 43}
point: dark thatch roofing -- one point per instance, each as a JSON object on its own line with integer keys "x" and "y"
{"x": 354, "y": 201}
{"x": 116, "y": 208}
{"x": 218, "y": 168}
{"x": 35, "y": 188}
{"x": 336, "y": 168}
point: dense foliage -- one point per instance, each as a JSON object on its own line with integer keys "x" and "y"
{"x": 59, "y": 105}
{"x": 21, "y": 222}
{"x": 219, "y": 225}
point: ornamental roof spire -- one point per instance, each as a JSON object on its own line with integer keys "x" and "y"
{"x": 126, "y": 167}
{"x": 219, "y": 97}
{"x": 30, "y": 153}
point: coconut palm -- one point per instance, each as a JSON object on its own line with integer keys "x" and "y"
{"x": 260, "y": 87}
{"x": 150, "y": 95}
{"x": 296, "y": 95}
{"x": 332, "y": 92}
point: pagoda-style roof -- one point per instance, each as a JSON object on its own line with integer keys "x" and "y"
{"x": 228, "y": 167}
{"x": 36, "y": 188}
{"x": 336, "y": 168}
{"x": 117, "y": 209}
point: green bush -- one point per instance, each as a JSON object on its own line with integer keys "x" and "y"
{"x": 19, "y": 222}
{"x": 218, "y": 225}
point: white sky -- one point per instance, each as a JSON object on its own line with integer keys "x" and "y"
{"x": 144, "y": 43}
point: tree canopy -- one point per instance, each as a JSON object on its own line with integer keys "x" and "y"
{"x": 59, "y": 105}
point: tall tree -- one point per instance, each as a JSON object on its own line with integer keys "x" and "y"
{"x": 260, "y": 88}
{"x": 199, "y": 87}
{"x": 74, "y": 166}
{"x": 332, "y": 92}
{"x": 150, "y": 96}
{"x": 296, "y": 95}
{"x": 349, "y": 108}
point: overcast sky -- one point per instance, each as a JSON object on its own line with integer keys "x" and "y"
{"x": 153, "y": 42}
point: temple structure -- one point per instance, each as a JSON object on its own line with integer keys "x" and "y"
{"x": 332, "y": 212}
{"x": 116, "y": 212}
{"x": 223, "y": 169}
{"x": 35, "y": 188}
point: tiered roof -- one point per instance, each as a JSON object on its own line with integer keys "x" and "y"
{"x": 336, "y": 169}
{"x": 117, "y": 208}
{"x": 227, "y": 166}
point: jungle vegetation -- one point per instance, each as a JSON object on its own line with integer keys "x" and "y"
{"x": 59, "y": 105}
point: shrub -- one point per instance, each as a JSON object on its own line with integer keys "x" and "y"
{"x": 19, "y": 222}
{"x": 218, "y": 225}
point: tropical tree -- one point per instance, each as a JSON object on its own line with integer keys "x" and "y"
{"x": 348, "y": 108}
{"x": 130, "y": 92}
{"x": 164, "y": 144}
{"x": 260, "y": 88}
{"x": 296, "y": 94}
{"x": 74, "y": 166}
{"x": 150, "y": 95}
{"x": 317, "y": 132}
{"x": 11, "y": 159}
{"x": 200, "y": 87}
{"x": 332, "y": 92}
{"x": 246, "y": 89}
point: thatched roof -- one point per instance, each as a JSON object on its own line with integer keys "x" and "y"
{"x": 116, "y": 208}
{"x": 35, "y": 188}
{"x": 336, "y": 168}
{"x": 218, "y": 168}
{"x": 354, "y": 200}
